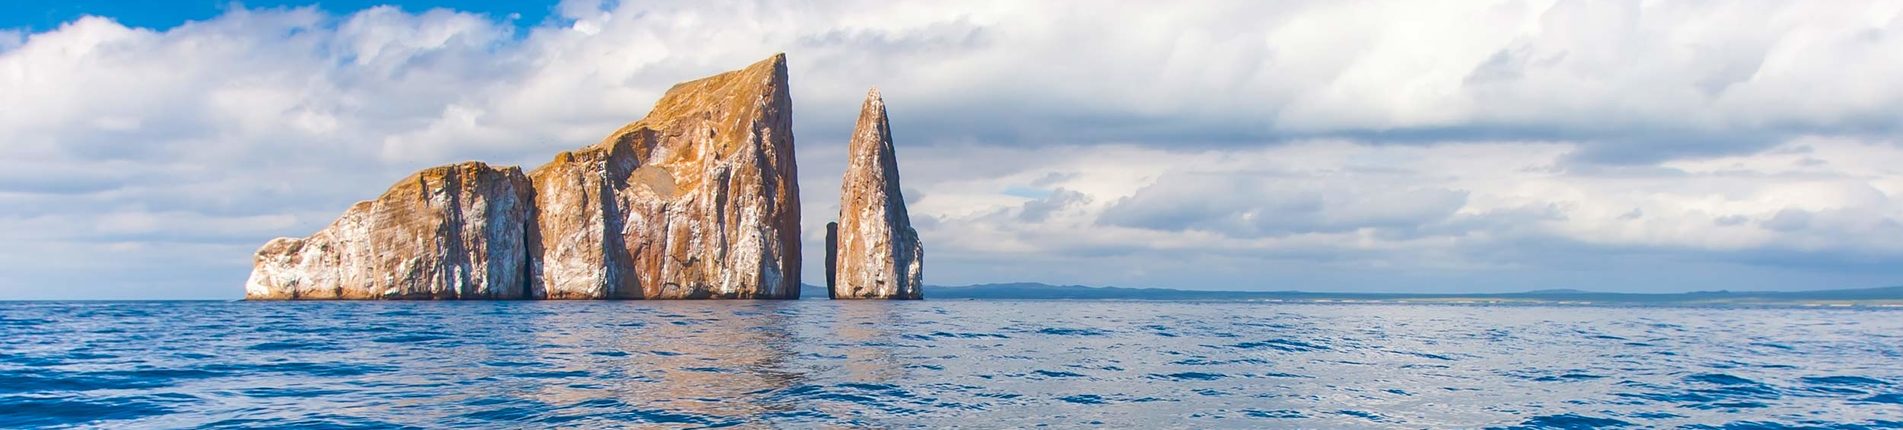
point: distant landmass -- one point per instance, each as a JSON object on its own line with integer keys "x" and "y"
{"x": 1887, "y": 296}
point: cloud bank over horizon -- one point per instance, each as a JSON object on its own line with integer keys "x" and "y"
{"x": 1331, "y": 146}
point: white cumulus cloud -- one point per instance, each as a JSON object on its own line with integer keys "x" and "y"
{"x": 1617, "y": 145}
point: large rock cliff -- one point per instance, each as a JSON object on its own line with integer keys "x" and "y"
{"x": 452, "y": 232}
{"x": 696, "y": 200}
{"x": 879, "y": 255}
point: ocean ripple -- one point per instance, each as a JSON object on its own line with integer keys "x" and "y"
{"x": 931, "y": 364}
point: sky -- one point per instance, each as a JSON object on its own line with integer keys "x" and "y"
{"x": 146, "y": 151}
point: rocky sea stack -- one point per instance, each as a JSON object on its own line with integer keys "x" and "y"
{"x": 878, "y": 254}
{"x": 454, "y": 232}
{"x": 698, "y": 199}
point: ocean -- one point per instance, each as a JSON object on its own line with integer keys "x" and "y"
{"x": 944, "y": 363}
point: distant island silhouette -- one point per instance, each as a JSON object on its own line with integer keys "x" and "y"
{"x": 1885, "y": 296}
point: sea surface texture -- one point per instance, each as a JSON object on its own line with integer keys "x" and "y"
{"x": 944, "y": 363}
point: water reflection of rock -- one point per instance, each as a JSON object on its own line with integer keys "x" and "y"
{"x": 716, "y": 359}
{"x": 868, "y": 332}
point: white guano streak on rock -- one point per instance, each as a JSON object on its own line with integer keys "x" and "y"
{"x": 451, "y": 232}
{"x": 879, "y": 254}
{"x": 699, "y": 199}
{"x": 692, "y": 184}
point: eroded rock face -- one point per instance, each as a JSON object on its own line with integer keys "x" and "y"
{"x": 453, "y": 232}
{"x": 879, "y": 255}
{"x": 697, "y": 200}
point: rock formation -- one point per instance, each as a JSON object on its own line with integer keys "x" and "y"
{"x": 452, "y": 232}
{"x": 832, "y": 258}
{"x": 696, "y": 200}
{"x": 879, "y": 255}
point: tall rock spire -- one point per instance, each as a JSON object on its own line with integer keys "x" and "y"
{"x": 879, "y": 255}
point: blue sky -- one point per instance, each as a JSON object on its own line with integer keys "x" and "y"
{"x": 43, "y": 15}
{"x": 146, "y": 150}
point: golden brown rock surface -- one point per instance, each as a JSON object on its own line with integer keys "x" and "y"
{"x": 879, "y": 255}
{"x": 451, "y": 232}
{"x": 697, "y": 200}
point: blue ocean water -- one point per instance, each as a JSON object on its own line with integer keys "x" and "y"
{"x": 942, "y": 363}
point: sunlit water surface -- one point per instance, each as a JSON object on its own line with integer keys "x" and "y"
{"x": 941, "y": 363}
